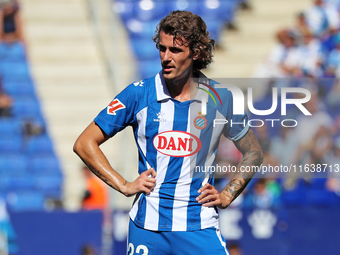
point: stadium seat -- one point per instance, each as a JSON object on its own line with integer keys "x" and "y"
{"x": 12, "y": 51}
{"x": 14, "y": 68}
{"x": 51, "y": 186}
{"x": 228, "y": 9}
{"x": 10, "y": 143}
{"x": 20, "y": 183}
{"x": 149, "y": 68}
{"x": 43, "y": 164}
{"x": 147, "y": 10}
{"x": 215, "y": 27}
{"x": 26, "y": 201}
{"x": 124, "y": 9}
{"x": 5, "y": 182}
{"x": 16, "y": 78}
{"x": 9, "y": 127}
{"x": 26, "y": 107}
{"x": 13, "y": 183}
{"x": 210, "y": 10}
{"x": 20, "y": 89}
{"x": 145, "y": 49}
{"x": 214, "y": 17}
{"x": 13, "y": 164}
{"x": 39, "y": 144}
{"x": 141, "y": 29}
{"x": 183, "y": 5}
{"x": 21, "y": 151}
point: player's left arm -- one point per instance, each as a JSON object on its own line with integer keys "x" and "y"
{"x": 249, "y": 146}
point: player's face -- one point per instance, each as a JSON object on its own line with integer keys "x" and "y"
{"x": 176, "y": 58}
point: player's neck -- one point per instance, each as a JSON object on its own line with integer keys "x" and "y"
{"x": 180, "y": 88}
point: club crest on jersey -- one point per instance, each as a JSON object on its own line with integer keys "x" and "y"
{"x": 115, "y": 106}
{"x": 200, "y": 122}
{"x": 177, "y": 143}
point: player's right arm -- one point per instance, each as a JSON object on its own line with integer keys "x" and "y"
{"x": 87, "y": 148}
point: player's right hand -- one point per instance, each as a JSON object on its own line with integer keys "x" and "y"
{"x": 144, "y": 183}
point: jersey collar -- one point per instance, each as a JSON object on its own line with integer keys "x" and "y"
{"x": 163, "y": 92}
{"x": 161, "y": 88}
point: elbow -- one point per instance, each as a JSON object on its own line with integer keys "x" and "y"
{"x": 84, "y": 147}
{"x": 77, "y": 147}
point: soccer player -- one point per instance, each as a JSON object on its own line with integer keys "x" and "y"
{"x": 175, "y": 209}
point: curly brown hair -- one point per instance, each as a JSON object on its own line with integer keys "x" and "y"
{"x": 190, "y": 27}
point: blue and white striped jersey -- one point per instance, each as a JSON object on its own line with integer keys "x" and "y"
{"x": 171, "y": 139}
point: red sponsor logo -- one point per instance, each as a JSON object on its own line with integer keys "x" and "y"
{"x": 115, "y": 106}
{"x": 177, "y": 143}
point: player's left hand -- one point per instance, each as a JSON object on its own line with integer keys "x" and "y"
{"x": 209, "y": 196}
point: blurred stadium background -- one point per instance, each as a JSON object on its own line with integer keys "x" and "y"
{"x": 76, "y": 55}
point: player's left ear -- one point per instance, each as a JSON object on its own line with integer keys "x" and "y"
{"x": 196, "y": 54}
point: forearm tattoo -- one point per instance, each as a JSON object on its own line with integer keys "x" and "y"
{"x": 100, "y": 175}
{"x": 252, "y": 156}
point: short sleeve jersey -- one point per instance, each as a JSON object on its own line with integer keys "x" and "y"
{"x": 174, "y": 139}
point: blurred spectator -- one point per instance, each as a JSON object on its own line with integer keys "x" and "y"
{"x": 321, "y": 146}
{"x": 96, "y": 195}
{"x": 332, "y": 99}
{"x": 333, "y": 60}
{"x": 300, "y": 25}
{"x": 5, "y": 103}
{"x": 32, "y": 128}
{"x": 321, "y": 18}
{"x": 274, "y": 187}
{"x": 330, "y": 41}
{"x": 333, "y": 158}
{"x": 334, "y": 3}
{"x": 10, "y": 21}
{"x": 282, "y": 59}
{"x": 54, "y": 204}
{"x": 284, "y": 147}
{"x": 315, "y": 53}
{"x": 333, "y": 182}
{"x": 234, "y": 249}
{"x": 303, "y": 50}
{"x": 87, "y": 249}
{"x": 310, "y": 55}
{"x": 309, "y": 126}
{"x": 263, "y": 195}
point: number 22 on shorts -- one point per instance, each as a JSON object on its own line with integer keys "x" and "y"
{"x": 141, "y": 247}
